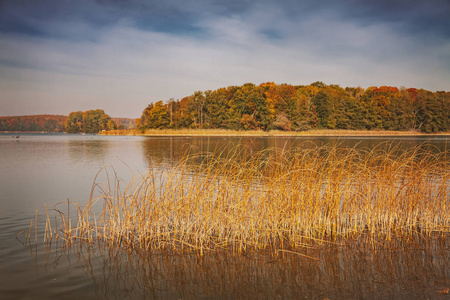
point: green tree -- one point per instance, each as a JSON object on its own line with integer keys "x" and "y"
{"x": 323, "y": 108}
{"x": 91, "y": 121}
{"x": 216, "y": 107}
{"x": 96, "y": 120}
{"x": 303, "y": 112}
{"x": 249, "y": 100}
{"x": 74, "y": 122}
{"x": 197, "y": 109}
{"x": 431, "y": 111}
{"x": 155, "y": 116}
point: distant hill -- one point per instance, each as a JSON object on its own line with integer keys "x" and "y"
{"x": 48, "y": 123}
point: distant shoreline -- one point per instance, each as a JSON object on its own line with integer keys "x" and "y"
{"x": 249, "y": 133}
{"x": 28, "y": 131}
{"x": 255, "y": 133}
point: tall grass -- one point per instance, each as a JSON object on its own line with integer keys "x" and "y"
{"x": 275, "y": 200}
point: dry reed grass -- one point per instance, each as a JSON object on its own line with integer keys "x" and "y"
{"x": 274, "y": 200}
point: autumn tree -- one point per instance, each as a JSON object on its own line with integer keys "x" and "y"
{"x": 216, "y": 103}
{"x": 91, "y": 121}
{"x": 323, "y": 107}
{"x": 45, "y": 123}
{"x": 155, "y": 116}
{"x": 287, "y": 107}
{"x": 303, "y": 112}
{"x": 74, "y": 122}
{"x": 96, "y": 120}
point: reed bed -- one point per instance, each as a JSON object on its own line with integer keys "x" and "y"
{"x": 276, "y": 200}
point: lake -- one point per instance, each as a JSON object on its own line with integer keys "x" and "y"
{"x": 47, "y": 169}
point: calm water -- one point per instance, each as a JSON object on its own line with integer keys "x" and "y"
{"x": 38, "y": 169}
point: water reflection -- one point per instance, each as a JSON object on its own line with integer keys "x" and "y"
{"x": 342, "y": 272}
{"x": 86, "y": 151}
{"x": 169, "y": 150}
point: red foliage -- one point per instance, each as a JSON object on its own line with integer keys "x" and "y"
{"x": 47, "y": 123}
{"x": 385, "y": 90}
{"x": 413, "y": 94}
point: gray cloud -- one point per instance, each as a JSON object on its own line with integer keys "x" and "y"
{"x": 120, "y": 56}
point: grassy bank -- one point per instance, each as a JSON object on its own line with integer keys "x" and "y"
{"x": 226, "y": 132}
{"x": 272, "y": 200}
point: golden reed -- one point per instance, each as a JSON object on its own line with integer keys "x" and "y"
{"x": 274, "y": 200}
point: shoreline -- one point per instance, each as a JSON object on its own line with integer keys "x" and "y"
{"x": 254, "y": 133}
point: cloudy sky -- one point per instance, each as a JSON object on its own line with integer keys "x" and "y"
{"x": 58, "y": 56}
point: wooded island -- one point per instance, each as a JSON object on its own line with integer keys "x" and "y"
{"x": 270, "y": 106}
{"x": 266, "y": 107}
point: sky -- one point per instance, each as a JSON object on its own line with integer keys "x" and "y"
{"x": 59, "y": 56}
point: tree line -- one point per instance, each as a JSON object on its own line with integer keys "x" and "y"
{"x": 91, "y": 121}
{"x": 46, "y": 123}
{"x": 270, "y": 106}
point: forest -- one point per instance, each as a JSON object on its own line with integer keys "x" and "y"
{"x": 271, "y": 106}
{"x": 268, "y": 106}
{"x": 57, "y": 123}
{"x": 46, "y": 123}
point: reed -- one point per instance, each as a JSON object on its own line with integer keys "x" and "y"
{"x": 276, "y": 200}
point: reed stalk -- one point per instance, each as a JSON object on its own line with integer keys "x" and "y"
{"x": 274, "y": 200}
